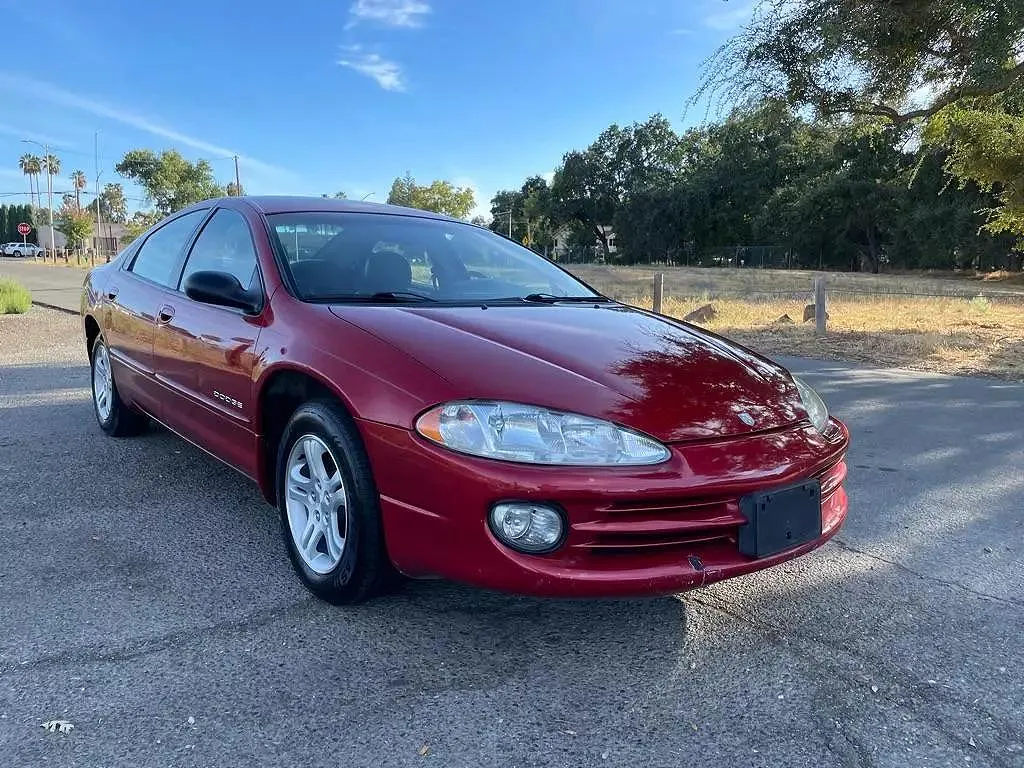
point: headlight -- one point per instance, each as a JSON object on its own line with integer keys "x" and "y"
{"x": 816, "y": 409}
{"x": 534, "y": 435}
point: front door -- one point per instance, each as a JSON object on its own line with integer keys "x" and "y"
{"x": 204, "y": 354}
{"x": 133, "y": 296}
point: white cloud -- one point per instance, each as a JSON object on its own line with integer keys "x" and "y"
{"x": 387, "y": 73}
{"x": 549, "y": 176}
{"x": 729, "y": 20}
{"x": 59, "y": 96}
{"x": 390, "y": 13}
{"x": 681, "y": 31}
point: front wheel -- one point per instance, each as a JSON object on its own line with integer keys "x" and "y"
{"x": 330, "y": 513}
{"x": 115, "y": 418}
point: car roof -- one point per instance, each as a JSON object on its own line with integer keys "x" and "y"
{"x": 268, "y": 204}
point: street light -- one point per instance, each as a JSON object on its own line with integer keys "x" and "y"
{"x": 49, "y": 189}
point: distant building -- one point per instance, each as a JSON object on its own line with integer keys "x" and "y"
{"x": 108, "y": 240}
{"x": 564, "y": 233}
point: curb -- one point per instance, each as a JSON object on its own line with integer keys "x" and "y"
{"x": 54, "y": 306}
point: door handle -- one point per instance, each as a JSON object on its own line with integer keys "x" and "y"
{"x": 166, "y": 314}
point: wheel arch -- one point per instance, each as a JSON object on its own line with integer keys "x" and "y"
{"x": 92, "y": 332}
{"x": 279, "y": 392}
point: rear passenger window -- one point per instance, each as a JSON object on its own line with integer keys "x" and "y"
{"x": 160, "y": 256}
{"x": 224, "y": 245}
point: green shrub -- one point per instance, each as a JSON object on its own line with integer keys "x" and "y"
{"x": 14, "y": 297}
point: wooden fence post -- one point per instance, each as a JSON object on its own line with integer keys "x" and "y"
{"x": 659, "y": 291}
{"x": 819, "y": 305}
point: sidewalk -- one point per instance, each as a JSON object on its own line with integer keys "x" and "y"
{"x": 54, "y": 285}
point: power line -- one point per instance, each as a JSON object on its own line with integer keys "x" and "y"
{"x": 84, "y": 193}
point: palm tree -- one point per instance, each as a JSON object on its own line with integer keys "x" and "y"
{"x": 31, "y": 166}
{"x": 80, "y": 183}
{"x": 51, "y": 164}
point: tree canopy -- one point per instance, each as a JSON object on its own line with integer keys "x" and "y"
{"x": 847, "y": 134}
{"x": 112, "y": 204}
{"x": 956, "y": 67}
{"x": 897, "y": 60}
{"x": 769, "y": 185}
{"x": 170, "y": 181}
{"x": 439, "y": 196}
{"x": 74, "y": 223}
{"x": 985, "y": 144}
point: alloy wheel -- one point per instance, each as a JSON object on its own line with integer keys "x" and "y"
{"x": 102, "y": 382}
{"x": 317, "y": 504}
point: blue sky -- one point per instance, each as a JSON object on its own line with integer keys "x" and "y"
{"x": 316, "y": 97}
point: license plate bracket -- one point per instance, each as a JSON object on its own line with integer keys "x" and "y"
{"x": 780, "y": 519}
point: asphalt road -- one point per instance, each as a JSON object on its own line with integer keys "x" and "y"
{"x": 56, "y": 285}
{"x": 145, "y": 597}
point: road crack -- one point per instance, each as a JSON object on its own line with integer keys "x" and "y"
{"x": 935, "y": 579}
{"x": 180, "y": 639}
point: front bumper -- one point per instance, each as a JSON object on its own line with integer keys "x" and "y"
{"x": 632, "y": 531}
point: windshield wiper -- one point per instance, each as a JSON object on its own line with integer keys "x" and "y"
{"x": 550, "y": 298}
{"x": 395, "y": 296}
{"x": 399, "y": 296}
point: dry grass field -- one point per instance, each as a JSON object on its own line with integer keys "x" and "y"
{"x": 954, "y": 336}
{"x": 883, "y": 319}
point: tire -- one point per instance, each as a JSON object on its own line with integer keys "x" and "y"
{"x": 345, "y": 560}
{"x": 17, "y": 254}
{"x": 114, "y": 417}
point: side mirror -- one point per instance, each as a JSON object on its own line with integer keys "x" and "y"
{"x": 222, "y": 289}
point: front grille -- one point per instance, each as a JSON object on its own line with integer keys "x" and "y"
{"x": 660, "y": 524}
{"x": 651, "y": 525}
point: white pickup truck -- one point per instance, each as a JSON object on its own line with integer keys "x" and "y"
{"x": 20, "y": 249}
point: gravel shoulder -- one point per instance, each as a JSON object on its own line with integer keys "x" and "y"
{"x": 146, "y": 597}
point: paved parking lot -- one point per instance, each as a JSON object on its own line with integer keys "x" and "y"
{"x": 146, "y": 598}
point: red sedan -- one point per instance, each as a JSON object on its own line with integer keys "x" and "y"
{"x": 419, "y": 395}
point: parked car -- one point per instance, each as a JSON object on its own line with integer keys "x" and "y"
{"x": 21, "y": 249}
{"x": 480, "y": 415}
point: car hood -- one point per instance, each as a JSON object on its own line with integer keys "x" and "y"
{"x": 653, "y": 374}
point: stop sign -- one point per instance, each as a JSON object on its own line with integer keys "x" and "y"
{"x": 24, "y": 229}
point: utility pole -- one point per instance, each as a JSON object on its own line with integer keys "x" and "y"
{"x": 238, "y": 184}
{"x": 96, "y": 149}
{"x": 502, "y": 213}
{"x": 49, "y": 198}
{"x": 49, "y": 189}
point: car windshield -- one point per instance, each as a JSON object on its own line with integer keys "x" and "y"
{"x": 351, "y": 256}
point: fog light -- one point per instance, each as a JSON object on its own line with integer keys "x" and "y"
{"x": 526, "y": 527}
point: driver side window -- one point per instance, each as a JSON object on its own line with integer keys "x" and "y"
{"x": 225, "y": 245}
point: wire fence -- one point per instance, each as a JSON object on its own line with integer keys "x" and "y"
{"x": 688, "y": 255}
{"x": 694, "y": 285}
{"x": 773, "y": 257}
{"x": 88, "y": 257}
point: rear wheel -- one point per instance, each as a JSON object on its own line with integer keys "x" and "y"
{"x": 115, "y": 418}
{"x": 330, "y": 513}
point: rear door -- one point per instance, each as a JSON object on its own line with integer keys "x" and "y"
{"x": 133, "y": 297}
{"x": 204, "y": 354}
